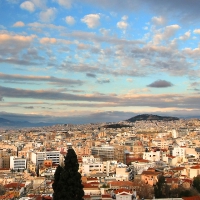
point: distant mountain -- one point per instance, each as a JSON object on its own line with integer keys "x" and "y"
{"x": 151, "y": 117}
{"x": 5, "y": 123}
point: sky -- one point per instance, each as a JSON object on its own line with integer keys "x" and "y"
{"x": 90, "y": 61}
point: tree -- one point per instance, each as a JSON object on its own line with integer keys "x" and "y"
{"x": 2, "y": 190}
{"x": 161, "y": 189}
{"x": 196, "y": 183}
{"x": 57, "y": 174}
{"x": 70, "y": 184}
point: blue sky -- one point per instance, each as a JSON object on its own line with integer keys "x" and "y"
{"x": 73, "y": 61}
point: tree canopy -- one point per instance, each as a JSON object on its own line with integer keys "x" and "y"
{"x": 69, "y": 184}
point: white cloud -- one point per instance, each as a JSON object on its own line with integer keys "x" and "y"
{"x": 125, "y": 17}
{"x": 159, "y": 20}
{"x": 92, "y": 20}
{"x": 168, "y": 32}
{"x": 70, "y": 20}
{"x": 65, "y": 3}
{"x": 196, "y": 31}
{"x": 122, "y": 25}
{"x": 28, "y": 5}
{"x": 48, "y": 14}
{"x": 186, "y": 36}
{"x": 39, "y": 3}
{"x": 19, "y": 24}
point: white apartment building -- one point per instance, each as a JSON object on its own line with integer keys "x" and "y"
{"x": 39, "y": 157}
{"x": 17, "y": 163}
{"x": 178, "y": 151}
{"x": 90, "y": 168}
{"x": 152, "y": 156}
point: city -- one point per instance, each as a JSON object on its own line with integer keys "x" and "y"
{"x": 112, "y": 161}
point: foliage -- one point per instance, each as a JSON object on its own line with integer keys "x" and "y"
{"x": 161, "y": 189}
{"x": 2, "y": 190}
{"x": 105, "y": 185}
{"x": 70, "y": 184}
{"x": 57, "y": 174}
{"x": 182, "y": 192}
{"x": 145, "y": 191}
{"x": 196, "y": 183}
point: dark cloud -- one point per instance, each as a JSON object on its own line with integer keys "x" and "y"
{"x": 181, "y": 10}
{"x": 103, "y": 81}
{"x": 52, "y": 95}
{"x": 91, "y": 75}
{"x": 160, "y": 84}
{"x": 29, "y": 107}
{"x": 50, "y": 79}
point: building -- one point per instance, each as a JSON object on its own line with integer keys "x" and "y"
{"x": 39, "y": 157}
{"x": 105, "y": 152}
{"x": 17, "y": 163}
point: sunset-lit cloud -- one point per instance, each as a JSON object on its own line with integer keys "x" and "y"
{"x": 93, "y": 61}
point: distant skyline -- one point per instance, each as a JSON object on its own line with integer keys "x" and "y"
{"x": 82, "y": 61}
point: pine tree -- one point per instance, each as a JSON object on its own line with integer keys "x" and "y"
{"x": 57, "y": 174}
{"x": 70, "y": 184}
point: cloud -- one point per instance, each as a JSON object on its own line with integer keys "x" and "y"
{"x": 64, "y": 3}
{"x": 184, "y": 11}
{"x": 39, "y": 4}
{"x": 70, "y": 20}
{"x": 48, "y": 40}
{"x": 48, "y": 14}
{"x": 91, "y": 75}
{"x": 160, "y": 84}
{"x": 196, "y": 31}
{"x": 50, "y": 79}
{"x": 165, "y": 34}
{"x": 91, "y": 20}
{"x": 186, "y": 36}
{"x": 159, "y": 20}
{"x": 102, "y": 81}
{"x": 27, "y": 5}
{"x": 19, "y": 24}
{"x": 122, "y": 25}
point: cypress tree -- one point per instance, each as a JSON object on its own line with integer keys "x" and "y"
{"x": 57, "y": 173}
{"x": 70, "y": 184}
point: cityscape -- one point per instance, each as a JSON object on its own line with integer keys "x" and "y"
{"x": 99, "y": 99}
{"x": 116, "y": 160}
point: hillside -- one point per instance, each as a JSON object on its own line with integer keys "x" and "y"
{"x": 151, "y": 117}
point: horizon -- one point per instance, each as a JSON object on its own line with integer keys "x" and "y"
{"x": 96, "y": 61}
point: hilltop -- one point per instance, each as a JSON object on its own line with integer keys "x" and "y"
{"x": 150, "y": 117}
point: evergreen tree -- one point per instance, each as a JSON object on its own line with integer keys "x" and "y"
{"x": 57, "y": 174}
{"x": 161, "y": 190}
{"x": 70, "y": 184}
{"x": 196, "y": 183}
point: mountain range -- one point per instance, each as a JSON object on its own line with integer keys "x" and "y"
{"x": 5, "y": 123}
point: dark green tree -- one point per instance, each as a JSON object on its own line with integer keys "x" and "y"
{"x": 2, "y": 190}
{"x": 161, "y": 189}
{"x": 70, "y": 184}
{"x": 196, "y": 183}
{"x": 57, "y": 174}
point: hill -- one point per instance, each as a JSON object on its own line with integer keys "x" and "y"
{"x": 5, "y": 123}
{"x": 150, "y": 117}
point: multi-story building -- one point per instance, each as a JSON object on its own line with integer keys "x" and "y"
{"x": 17, "y": 163}
{"x": 152, "y": 156}
{"x": 39, "y": 157}
{"x": 105, "y": 152}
